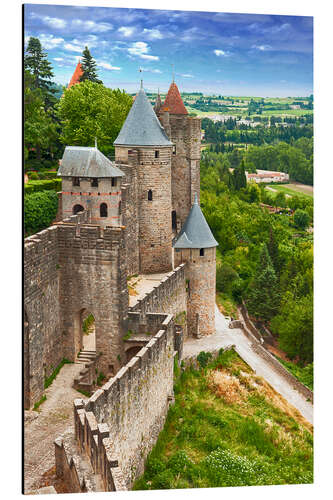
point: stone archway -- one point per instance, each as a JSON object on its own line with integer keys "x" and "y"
{"x": 77, "y": 209}
{"x": 88, "y": 328}
{"x": 79, "y": 340}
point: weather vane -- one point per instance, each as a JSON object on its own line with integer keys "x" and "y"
{"x": 173, "y": 73}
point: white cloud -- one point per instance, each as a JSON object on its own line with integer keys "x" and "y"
{"x": 221, "y": 53}
{"x": 58, "y": 59}
{"x": 187, "y": 76}
{"x": 78, "y": 45}
{"x": 148, "y": 70}
{"x": 126, "y": 30}
{"x": 141, "y": 49}
{"x": 53, "y": 22}
{"x": 261, "y": 47}
{"x": 49, "y": 41}
{"x": 107, "y": 66}
{"x": 153, "y": 34}
{"x": 91, "y": 26}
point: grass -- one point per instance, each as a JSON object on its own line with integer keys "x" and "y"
{"x": 48, "y": 380}
{"x": 228, "y": 427}
{"x": 303, "y": 374}
{"x": 290, "y": 189}
{"x": 87, "y": 324}
{"x": 227, "y": 305}
{"x": 37, "y": 405}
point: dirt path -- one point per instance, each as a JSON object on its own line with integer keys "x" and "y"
{"x": 41, "y": 428}
{"x": 226, "y": 337}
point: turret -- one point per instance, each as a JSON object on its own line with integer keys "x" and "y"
{"x": 90, "y": 181}
{"x": 143, "y": 133}
{"x": 196, "y": 246}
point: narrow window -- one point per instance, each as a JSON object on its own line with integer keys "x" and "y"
{"x": 76, "y": 181}
{"x": 174, "y": 150}
{"x": 150, "y": 195}
{"x": 77, "y": 209}
{"x": 113, "y": 181}
{"x": 103, "y": 209}
{"x": 174, "y": 219}
{"x": 94, "y": 182}
{"x": 119, "y": 207}
{"x": 157, "y": 154}
{"x": 202, "y": 252}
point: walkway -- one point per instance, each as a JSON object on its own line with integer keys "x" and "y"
{"x": 142, "y": 284}
{"x": 226, "y": 337}
{"x": 41, "y": 428}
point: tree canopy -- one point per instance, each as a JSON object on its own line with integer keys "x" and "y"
{"x": 89, "y": 67}
{"x": 90, "y": 110}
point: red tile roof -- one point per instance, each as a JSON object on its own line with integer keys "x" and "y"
{"x": 76, "y": 75}
{"x": 173, "y": 101}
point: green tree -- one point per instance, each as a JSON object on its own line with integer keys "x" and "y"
{"x": 89, "y": 67}
{"x": 280, "y": 200}
{"x": 273, "y": 250}
{"x": 39, "y": 128}
{"x": 35, "y": 61}
{"x": 263, "y": 296}
{"x": 239, "y": 176}
{"x": 91, "y": 110}
{"x": 301, "y": 218}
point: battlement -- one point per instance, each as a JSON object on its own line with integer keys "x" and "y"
{"x": 153, "y": 300}
{"x": 120, "y": 423}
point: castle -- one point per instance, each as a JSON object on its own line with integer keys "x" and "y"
{"x": 137, "y": 215}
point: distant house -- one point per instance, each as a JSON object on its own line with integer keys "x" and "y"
{"x": 267, "y": 176}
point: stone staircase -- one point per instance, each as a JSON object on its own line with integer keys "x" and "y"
{"x": 87, "y": 376}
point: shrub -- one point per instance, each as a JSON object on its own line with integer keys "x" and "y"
{"x": 33, "y": 176}
{"x": 40, "y": 210}
{"x": 179, "y": 462}
{"x": 43, "y": 185}
{"x": 163, "y": 481}
{"x": 203, "y": 358}
{"x": 301, "y": 218}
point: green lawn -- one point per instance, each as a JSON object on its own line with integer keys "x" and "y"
{"x": 291, "y": 189}
{"x": 228, "y": 428}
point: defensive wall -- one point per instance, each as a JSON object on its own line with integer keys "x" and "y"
{"x": 119, "y": 425}
{"x": 70, "y": 268}
{"x": 169, "y": 296}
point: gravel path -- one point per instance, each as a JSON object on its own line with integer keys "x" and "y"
{"x": 226, "y": 337}
{"x": 41, "y": 428}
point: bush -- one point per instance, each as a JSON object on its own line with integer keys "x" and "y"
{"x": 225, "y": 276}
{"x": 203, "y": 358}
{"x": 42, "y": 185}
{"x": 33, "y": 176}
{"x": 301, "y": 218}
{"x": 40, "y": 210}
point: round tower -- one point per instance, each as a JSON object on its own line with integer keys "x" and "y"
{"x": 197, "y": 246}
{"x": 143, "y": 132}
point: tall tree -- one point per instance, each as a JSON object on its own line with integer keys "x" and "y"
{"x": 89, "y": 67}
{"x": 35, "y": 61}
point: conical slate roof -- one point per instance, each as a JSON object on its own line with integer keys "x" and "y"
{"x": 142, "y": 127}
{"x": 173, "y": 101}
{"x": 195, "y": 233}
{"x": 80, "y": 161}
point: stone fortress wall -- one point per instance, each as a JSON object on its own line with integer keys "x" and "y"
{"x": 118, "y": 426}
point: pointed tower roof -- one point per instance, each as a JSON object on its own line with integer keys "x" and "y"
{"x": 174, "y": 102}
{"x": 76, "y": 75}
{"x": 142, "y": 127}
{"x": 195, "y": 233}
{"x": 158, "y": 103}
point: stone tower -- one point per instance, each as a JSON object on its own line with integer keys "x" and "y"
{"x": 91, "y": 182}
{"x": 143, "y": 145}
{"x": 197, "y": 247}
{"x": 185, "y": 133}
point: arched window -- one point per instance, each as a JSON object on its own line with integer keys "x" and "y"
{"x": 103, "y": 210}
{"x": 202, "y": 252}
{"x": 174, "y": 219}
{"x": 76, "y": 181}
{"x": 150, "y": 195}
{"x": 77, "y": 209}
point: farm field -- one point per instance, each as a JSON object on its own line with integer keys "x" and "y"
{"x": 292, "y": 189}
{"x": 228, "y": 427}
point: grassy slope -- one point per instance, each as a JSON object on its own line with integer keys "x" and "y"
{"x": 229, "y": 428}
{"x": 303, "y": 374}
{"x": 291, "y": 189}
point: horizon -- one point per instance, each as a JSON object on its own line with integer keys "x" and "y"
{"x": 248, "y": 55}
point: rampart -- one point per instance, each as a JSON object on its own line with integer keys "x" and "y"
{"x": 120, "y": 423}
{"x": 169, "y": 296}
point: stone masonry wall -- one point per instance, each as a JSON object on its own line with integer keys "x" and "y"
{"x": 132, "y": 406}
{"x": 42, "y": 343}
{"x": 93, "y": 278}
{"x": 169, "y": 297}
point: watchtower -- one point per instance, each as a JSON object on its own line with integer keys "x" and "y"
{"x": 143, "y": 145}
{"x": 90, "y": 181}
{"x": 197, "y": 247}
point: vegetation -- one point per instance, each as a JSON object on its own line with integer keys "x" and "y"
{"x": 40, "y": 210}
{"x": 89, "y": 67}
{"x": 48, "y": 380}
{"x": 228, "y": 428}
{"x": 100, "y": 378}
{"x": 37, "y": 405}
{"x": 34, "y": 186}
{"x": 303, "y": 374}
{"x": 87, "y": 324}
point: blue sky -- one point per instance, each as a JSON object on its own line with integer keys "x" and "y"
{"x": 231, "y": 54}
